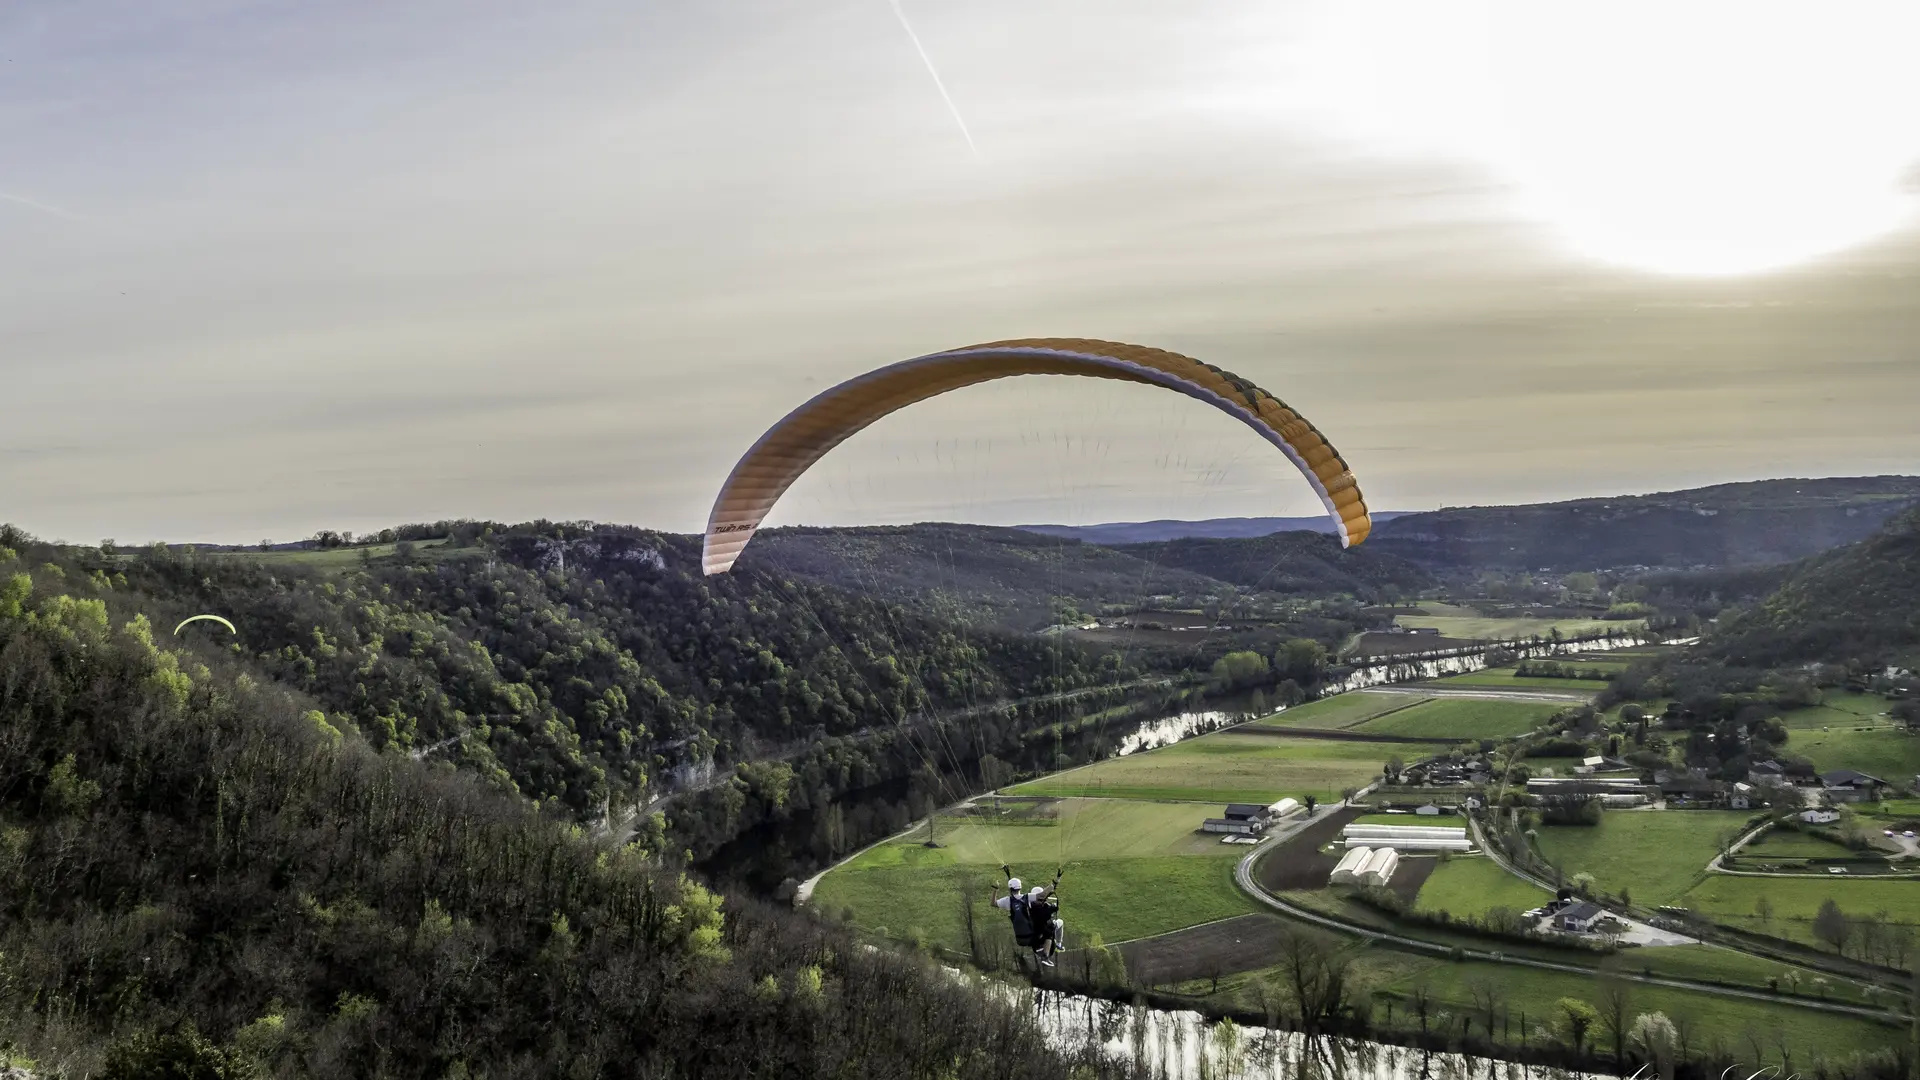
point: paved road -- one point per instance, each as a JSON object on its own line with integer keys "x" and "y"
{"x": 1484, "y": 694}
{"x": 1243, "y": 876}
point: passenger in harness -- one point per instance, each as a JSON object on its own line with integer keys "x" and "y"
{"x": 1034, "y": 915}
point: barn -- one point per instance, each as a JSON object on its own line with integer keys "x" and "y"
{"x": 1232, "y": 826}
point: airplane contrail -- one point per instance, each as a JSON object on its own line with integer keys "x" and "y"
{"x": 40, "y": 206}
{"x": 931, "y": 70}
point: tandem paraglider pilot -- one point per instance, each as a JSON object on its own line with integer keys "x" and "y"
{"x": 1035, "y": 916}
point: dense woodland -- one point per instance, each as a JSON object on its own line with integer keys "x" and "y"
{"x": 617, "y": 675}
{"x": 203, "y": 873}
{"x": 1857, "y": 605}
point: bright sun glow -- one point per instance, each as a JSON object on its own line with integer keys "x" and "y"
{"x": 1693, "y": 137}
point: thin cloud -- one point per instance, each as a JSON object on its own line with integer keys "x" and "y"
{"x": 40, "y": 206}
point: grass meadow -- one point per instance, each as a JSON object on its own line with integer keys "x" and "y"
{"x": 1131, "y": 869}
{"x": 1475, "y": 885}
{"x": 1656, "y": 854}
{"x": 1463, "y": 718}
{"x": 1342, "y": 711}
{"x": 1230, "y": 767}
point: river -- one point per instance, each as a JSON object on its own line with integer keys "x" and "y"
{"x": 1184, "y": 1045}
{"x": 1161, "y": 731}
{"x": 1181, "y": 1045}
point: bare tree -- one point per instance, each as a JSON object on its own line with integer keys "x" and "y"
{"x": 1683, "y": 1032}
{"x": 968, "y": 894}
{"x": 1615, "y": 1005}
{"x": 1420, "y": 1000}
{"x": 1832, "y": 926}
{"x": 1486, "y": 998}
{"x": 1316, "y": 976}
{"x": 1756, "y": 1042}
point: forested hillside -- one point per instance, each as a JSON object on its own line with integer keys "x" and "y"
{"x": 202, "y": 875}
{"x": 1290, "y": 562}
{"x": 1146, "y": 532}
{"x": 760, "y": 725}
{"x": 1860, "y": 603}
{"x": 973, "y": 573}
{"x": 584, "y": 683}
{"x": 1771, "y": 521}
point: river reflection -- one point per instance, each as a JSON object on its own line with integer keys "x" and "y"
{"x": 1162, "y": 731}
{"x": 1188, "y": 1046}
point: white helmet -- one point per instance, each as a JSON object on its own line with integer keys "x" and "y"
{"x": 1013, "y": 885}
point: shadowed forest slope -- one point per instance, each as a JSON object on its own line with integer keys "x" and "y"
{"x": 1769, "y": 521}
{"x": 186, "y": 846}
{"x": 1860, "y": 603}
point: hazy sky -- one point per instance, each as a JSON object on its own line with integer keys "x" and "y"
{"x": 269, "y": 267}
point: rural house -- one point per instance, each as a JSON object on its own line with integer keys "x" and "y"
{"x": 1578, "y": 918}
{"x": 1767, "y": 774}
{"x": 1232, "y": 826}
{"x": 1848, "y": 786}
{"x": 1245, "y": 819}
{"x": 1693, "y": 793}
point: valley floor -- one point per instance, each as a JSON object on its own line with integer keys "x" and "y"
{"x": 1213, "y": 920}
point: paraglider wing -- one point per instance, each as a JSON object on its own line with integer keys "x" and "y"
{"x": 209, "y": 618}
{"x": 791, "y": 447}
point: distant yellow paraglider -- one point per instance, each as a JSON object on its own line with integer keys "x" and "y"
{"x": 805, "y": 436}
{"x": 209, "y": 618}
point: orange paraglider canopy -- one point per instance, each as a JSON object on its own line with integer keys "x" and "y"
{"x": 792, "y": 446}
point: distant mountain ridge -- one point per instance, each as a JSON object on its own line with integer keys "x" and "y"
{"x": 1017, "y": 574}
{"x": 1115, "y": 533}
{"x": 1727, "y": 525}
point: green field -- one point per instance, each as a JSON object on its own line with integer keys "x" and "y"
{"x": 1133, "y": 869}
{"x": 1466, "y": 885}
{"x": 1885, "y": 751}
{"x": 1893, "y": 756}
{"x": 1808, "y": 1035}
{"x": 1795, "y": 900}
{"x": 1603, "y": 661}
{"x": 1656, "y": 854}
{"x": 1463, "y": 718}
{"x": 1341, "y": 710}
{"x": 1741, "y": 1023}
{"x": 1505, "y": 679}
{"x": 1793, "y": 844}
{"x": 1890, "y": 810}
{"x": 1475, "y": 627}
{"x": 1230, "y": 767}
